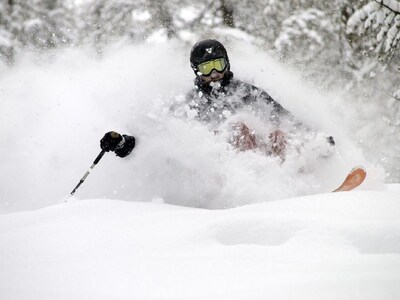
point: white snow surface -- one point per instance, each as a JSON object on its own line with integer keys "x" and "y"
{"x": 327, "y": 246}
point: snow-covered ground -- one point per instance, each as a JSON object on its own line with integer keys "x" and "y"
{"x": 327, "y": 246}
{"x": 268, "y": 240}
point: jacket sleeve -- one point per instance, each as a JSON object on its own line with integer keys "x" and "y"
{"x": 278, "y": 112}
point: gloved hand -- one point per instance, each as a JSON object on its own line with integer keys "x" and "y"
{"x": 330, "y": 140}
{"x": 111, "y": 141}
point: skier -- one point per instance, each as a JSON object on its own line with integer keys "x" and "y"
{"x": 216, "y": 97}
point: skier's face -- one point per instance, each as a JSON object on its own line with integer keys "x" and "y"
{"x": 212, "y": 70}
{"x": 213, "y": 77}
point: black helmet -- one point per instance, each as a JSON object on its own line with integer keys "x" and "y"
{"x": 207, "y": 50}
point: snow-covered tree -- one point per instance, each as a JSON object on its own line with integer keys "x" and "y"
{"x": 6, "y": 38}
{"x": 374, "y": 34}
{"x": 380, "y": 54}
{"x": 35, "y": 24}
{"x": 382, "y": 16}
{"x": 105, "y": 21}
{"x": 305, "y": 33}
{"x": 46, "y": 23}
{"x": 310, "y": 35}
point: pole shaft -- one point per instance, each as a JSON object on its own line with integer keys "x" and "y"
{"x": 88, "y": 171}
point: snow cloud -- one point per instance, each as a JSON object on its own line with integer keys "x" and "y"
{"x": 54, "y": 112}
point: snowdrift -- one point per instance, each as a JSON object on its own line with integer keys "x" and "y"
{"x": 327, "y": 246}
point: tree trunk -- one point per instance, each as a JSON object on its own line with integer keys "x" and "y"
{"x": 227, "y": 14}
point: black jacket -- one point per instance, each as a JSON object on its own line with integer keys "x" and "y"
{"x": 214, "y": 104}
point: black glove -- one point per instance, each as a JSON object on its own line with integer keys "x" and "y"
{"x": 110, "y": 141}
{"x": 122, "y": 145}
{"x": 330, "y": 140}
{"x": 127, "y": 146}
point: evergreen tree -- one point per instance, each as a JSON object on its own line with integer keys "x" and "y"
{"x": 6, "y": 37}
{"x": 35, "y": 24}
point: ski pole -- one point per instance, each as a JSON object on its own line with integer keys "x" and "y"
{"x": 88, "y": 171}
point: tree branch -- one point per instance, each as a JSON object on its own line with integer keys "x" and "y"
{"x": 388, "y": 6}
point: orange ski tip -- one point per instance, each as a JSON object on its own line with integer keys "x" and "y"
{"x": 359, "y": 167}
{"x": 354, "y": 179}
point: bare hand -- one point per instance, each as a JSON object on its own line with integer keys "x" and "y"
{"x": 277, "y": 143}
{"x": 243, "y": 139}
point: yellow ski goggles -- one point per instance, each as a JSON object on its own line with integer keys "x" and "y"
{"x": 207, "y": 67}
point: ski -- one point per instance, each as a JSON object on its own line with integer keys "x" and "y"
{"x": 353, "y": 180}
